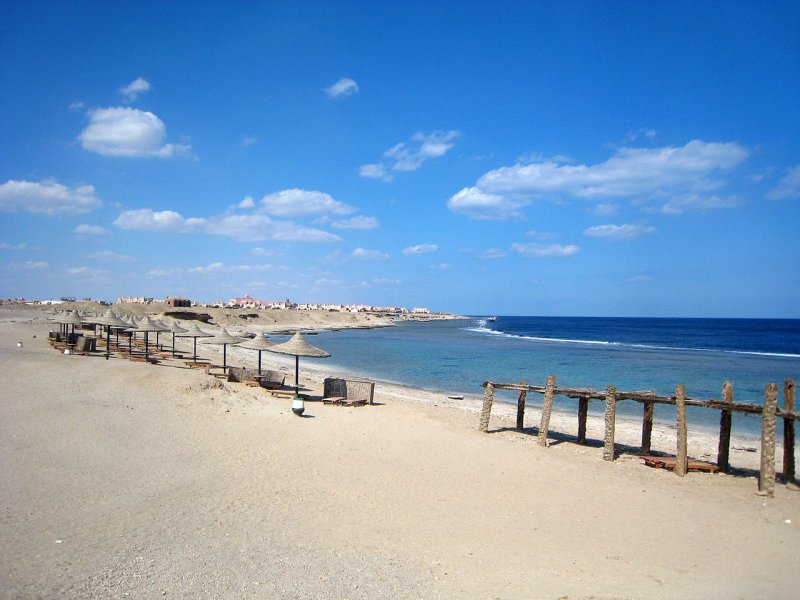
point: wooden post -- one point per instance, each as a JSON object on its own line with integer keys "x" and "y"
{"x": 788, "y": 432}
{"x": 521, "y": 406}
{"x": 682, "y": 451}
{"x": 766, "y": 475}
{"x": 725, "y": 418}
{"x": 647, "y": 427}
{"x": 486, "y": 411}
{"x": 610, "y": 422}
{"x": 547, "y": 408}
{"x": 583, "y": 413}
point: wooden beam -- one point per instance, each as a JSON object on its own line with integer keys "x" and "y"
{"x": 788, "y": 432}
{"x": 725, "y": 419}
{"x": 610, "y": 422}
{"x": 682, "y": 450}
{"x": 547, "y": 409}
{"x": 486, "y": 411}
{"x": 766, "y": 475}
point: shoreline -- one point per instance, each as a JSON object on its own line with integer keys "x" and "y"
{"x": 703, "y": 438}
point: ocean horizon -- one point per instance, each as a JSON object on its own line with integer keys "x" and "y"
{"x": 632, "y": 353}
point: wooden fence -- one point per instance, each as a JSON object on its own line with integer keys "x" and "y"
{"x": 769, "y": 412}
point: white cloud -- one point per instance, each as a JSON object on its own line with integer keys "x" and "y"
{"x": 35, "y": 264}
{"x": 788, "y": 187}
{"x": 262, "y": 252}
{"x": 129, "y": 132}
{"x": 295, "y": 202}
{"x": 21, "y": 246}
{"x": 375, "y": 171}
{"x": 410, "y": 156}
{"x": 477, "y": 204}
{"x": 249, "y": 140}
{"x": 247, "y": 202}
{"x": 47, "y": 197}
{"x": 109, "y": 256}
{"x": 619, "y": 232}
{"x": 492, "y": 253}
{"x": 77, "y": 106}
{"x": 83, "y": 271}
{"x": 363, "y": 254}
{"x": 647, "y": 174}
{"x": 219, "y": 267}
{"x": 342, "y": 88}
{"x": 145, "y": 219}
{"x": 134, "y": 89}
{"x": 85, "y": 229}
{"x": 421, "y": 249}
{"x": 257, "y": 228}
{"x": 678, "y": 205}
{"x": 359, "y": 222}
{"x": 244, "y": 228}
{"x": 534, "y": 250}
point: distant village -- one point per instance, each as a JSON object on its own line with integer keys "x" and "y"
{"x": 245, "y": 301}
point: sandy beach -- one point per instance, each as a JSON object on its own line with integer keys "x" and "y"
{"x": 127, "y": 480}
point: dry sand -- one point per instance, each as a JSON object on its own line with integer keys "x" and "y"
{"x": 121, "y": 479}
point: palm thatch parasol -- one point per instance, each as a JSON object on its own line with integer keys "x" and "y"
{"x": 174, "y": 328}
{"x": 111, "y": 320}
{"x": 260, "y": 342}
{"x": 193, "y": 331}
{"x": 147, "y": 325}
{"x": 224, "y": 339}
{"x": 297, "y": 346}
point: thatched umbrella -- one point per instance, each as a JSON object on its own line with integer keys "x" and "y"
{"x": 224, "y": 339}
{"x": 68, "y": 319}
{"x": 147, "y": 325}
{"x": 297, "y": 347}
{"x": 111, "y": 320}
{"x": 193, "y": 331}
{"x": 59, "y": 318}
{"x": 174, "y": 328}
{"x": 130, "y": 330}
{"x": 260, "y": 342}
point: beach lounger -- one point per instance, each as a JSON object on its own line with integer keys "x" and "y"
{"x": 243, "y": 375}
{"x": 348, "y": 392}
{"x": 271, "y": 380}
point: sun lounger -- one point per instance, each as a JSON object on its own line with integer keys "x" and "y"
{"x": 271, "y": 380}
{"x": 348, "y": 392}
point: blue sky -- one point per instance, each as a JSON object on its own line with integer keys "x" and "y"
{"x": 607, "y": 158}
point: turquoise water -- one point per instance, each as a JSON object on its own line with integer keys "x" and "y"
{"x": 633, "y": 354}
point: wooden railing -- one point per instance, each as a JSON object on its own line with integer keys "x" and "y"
{"x": 769, "y": 412}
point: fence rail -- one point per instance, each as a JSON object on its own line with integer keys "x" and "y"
{"x": 769, "y": 412}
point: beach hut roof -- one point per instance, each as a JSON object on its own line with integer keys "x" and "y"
{"x": 298, "y": 346}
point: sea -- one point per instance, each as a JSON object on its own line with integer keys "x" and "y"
{"x": 455, "y": 357}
